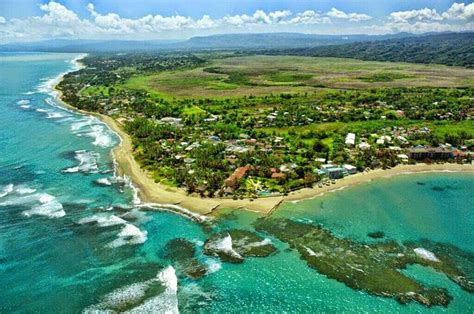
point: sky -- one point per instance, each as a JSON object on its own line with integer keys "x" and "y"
{"x": 33, "y": 20}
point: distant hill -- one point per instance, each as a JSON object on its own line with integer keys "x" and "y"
{"x": 447, "y": 48}
{"x": 214, "y": 42}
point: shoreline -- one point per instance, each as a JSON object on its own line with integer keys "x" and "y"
{"x": 158, "y": 195}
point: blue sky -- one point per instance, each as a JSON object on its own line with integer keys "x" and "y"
{"x": 219, "y": 8}
{"x": 27, "y": 20}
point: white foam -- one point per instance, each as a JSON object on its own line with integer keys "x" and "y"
{"x": 22, "y": 190}
{"x": 7, "y": 189}
{"x": 23, "y": 102}
{"x": 41, "y": 110}
{"x": 87, "y": 162}
{"x": 176, "y": 209}
{"x": 55, "y": 115}
{"x": 25, "y": 106}
{"x": 166, "y": 302}
{"x": 425, "y": 254}
{"x": 129, "y": 234}
{"x": 42, "y": 204}
{"x": 225, "y": 245}
{"x": 213, "y": 265}
{"x": 49, "y": 207}
{"x": 103, "y": 181}
{"x": 136, "y": 199}
{"x": 95, "y": 129}
{"x": 81, "y": 124}
{"x": 103, "y": 221}
{"x": 101, "y": 136}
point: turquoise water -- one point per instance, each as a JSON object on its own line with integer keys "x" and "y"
{"x": 56, "y": 178}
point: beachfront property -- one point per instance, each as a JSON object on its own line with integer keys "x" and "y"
{"x": 435, "y": 153}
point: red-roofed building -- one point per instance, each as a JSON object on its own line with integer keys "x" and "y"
{"x": 238, "y": 174}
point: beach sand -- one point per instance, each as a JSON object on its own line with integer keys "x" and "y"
{"x": 151, "y": 192}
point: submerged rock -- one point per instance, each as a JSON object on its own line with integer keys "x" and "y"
{"x": 372, "y": 268}
{"x": 376, "y": 235}
{"x": 234, "y": 245}
{"x": 182, "y": 252}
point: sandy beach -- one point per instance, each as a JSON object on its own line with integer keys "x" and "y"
{"x": 151, "y": 192}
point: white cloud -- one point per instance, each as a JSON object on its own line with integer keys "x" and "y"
{"x": 309, "y": 17}
{"x": 259, "y": 17}
{"x": 57, "y": 21}
{"x": 415, "y": 15}
{"x": 460, "y": 11}
{"x": 353, "y": 17}
{"x": 429, "y": 20}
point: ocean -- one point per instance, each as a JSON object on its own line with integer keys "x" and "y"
{"x": 74, "y": 238}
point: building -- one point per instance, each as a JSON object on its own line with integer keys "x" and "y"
{"x": 336, "y": 173}
{"x": 364, "y": 146}
{"x": 435, "y": 153}
{"x": 350, "y": 139}
{"x": 350, "y": 169}
{"x": 234, "y": 178}
{"x": 278, "y": 176}
{"x": 333, "y": 171}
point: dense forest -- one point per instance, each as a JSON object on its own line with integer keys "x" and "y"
{"x": 451, "y": 49}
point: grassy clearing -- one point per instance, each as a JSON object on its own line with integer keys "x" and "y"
{"x": 263, "y": 75}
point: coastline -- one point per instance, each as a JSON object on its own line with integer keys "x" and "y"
{"x": 158, "y": 195}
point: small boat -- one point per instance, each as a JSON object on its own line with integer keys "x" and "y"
{"x": 320, "y": 185}
{"x": 333, "y": 181}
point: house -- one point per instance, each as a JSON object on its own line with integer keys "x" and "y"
{"x": 336, "y": 173}
{"x": 350, "y": 169}
{"x": 234, "y": 178}
{"x": 333, "y": 171}
{"x": 350, "y": 139}
{"x": 278, "y": 176}
{"x": 403, "y": 157}
{"x": 364, "y": 146}
{"x": 171, "y": 120}
{"x": 193, "y": 146}
{"x": 236, "y": 149}
{"x": 435, "y": 153}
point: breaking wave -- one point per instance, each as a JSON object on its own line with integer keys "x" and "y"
{"x": 42, "y": 204}
{"x": 91, "y": 127}
{"x": 23, "y": 102}
{"x": 130, "y": 234}
{"x": 103, "y": 221}
{"x": 225, "y": 245}
{"x": 134, "y": 296}
{"x": 103, "y": 181}
{"x": 87, "y": 162}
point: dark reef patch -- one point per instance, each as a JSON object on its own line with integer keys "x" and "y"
{"x": 182, "y": 252}
{"x": 373, "y": 268}
{"x": 376, "y": 234}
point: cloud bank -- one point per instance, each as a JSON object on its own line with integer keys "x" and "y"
{"x": 58, "y": 21}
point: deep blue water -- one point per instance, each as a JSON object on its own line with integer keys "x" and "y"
{"x": 71, "y": 236}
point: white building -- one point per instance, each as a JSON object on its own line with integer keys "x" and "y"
{"x": 364, "y": 146}
{"x": 350, "y": 169}
{"x": 350, "y": 139}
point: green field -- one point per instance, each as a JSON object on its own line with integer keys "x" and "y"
{"x": 262, "y": 75}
